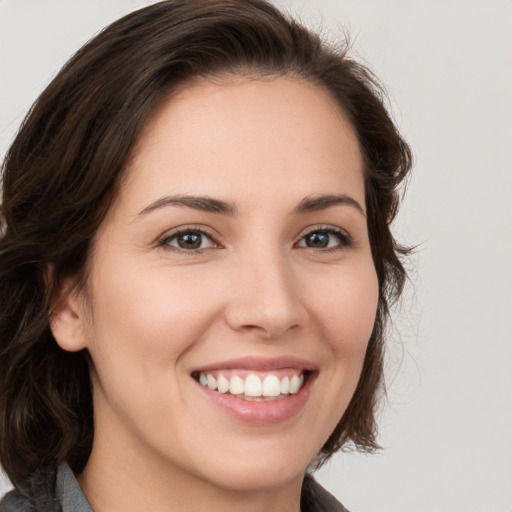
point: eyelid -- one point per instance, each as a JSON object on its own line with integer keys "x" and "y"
{"x": 163, "y": 240}
{"x": 345, "y": 238}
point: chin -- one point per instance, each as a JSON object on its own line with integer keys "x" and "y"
{"x": 257, "y": 478}
{"x": 260, "y": 469}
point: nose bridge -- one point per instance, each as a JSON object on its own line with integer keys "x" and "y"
{"x": 266, "y": 299}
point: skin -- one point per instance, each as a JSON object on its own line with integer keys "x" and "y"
{"x": 153, "y": 312}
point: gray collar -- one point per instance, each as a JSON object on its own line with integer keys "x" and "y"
{"x": 70, "y": 495}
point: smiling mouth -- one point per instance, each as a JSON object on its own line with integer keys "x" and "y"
{"x": 254, "y": 386}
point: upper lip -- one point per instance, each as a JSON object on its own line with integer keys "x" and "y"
{"x": 260, "y": 364}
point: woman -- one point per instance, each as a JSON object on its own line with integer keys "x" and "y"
{"x": 196, "y": 266}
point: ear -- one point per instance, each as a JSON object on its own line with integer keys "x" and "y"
{"x": 67, "y": 320}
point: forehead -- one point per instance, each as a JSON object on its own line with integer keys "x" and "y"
{"x": 237, "y": 135}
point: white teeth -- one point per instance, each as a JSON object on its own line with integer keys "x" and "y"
{"x": 294, "y": 385}
{"x": 252, "y": 386}
{"x": 285, "y": 385}
{"x": 271, "y": 386}
{"x": 211, "y": 382}
{"x": 222, "y": 384}
{"x": 236, "y": 385}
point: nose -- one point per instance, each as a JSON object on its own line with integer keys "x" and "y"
{"x": 265, "y": 298}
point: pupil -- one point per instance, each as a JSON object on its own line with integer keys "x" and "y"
{"x": 318, "y": 240}
{"x": 190, "y": 241}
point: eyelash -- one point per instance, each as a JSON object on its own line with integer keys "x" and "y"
{"x": 165, "y": 241}
{"x": 345, "y": 240}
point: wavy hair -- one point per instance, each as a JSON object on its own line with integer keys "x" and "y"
{"x": 63, "y": 170}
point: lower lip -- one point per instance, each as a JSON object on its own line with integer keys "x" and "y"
{"x": 260, "y": 413}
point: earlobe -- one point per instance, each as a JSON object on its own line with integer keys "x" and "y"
{"x": 67, "y": 319}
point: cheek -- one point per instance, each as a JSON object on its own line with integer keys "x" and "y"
{"x": 143, "y": 328}
{"x": 347, "y": 309}
{"x": 345, "y": 313}
{"x": 155, "y": 315}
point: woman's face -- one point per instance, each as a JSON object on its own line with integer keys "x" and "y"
{"x": 236, "y": 256}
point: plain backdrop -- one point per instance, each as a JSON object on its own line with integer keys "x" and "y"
{"x": 447, "y": 425}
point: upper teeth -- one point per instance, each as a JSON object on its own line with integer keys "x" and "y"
{"x": 253, "y": 385}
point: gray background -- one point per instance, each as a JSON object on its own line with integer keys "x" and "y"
{"x": 447, "y": 424}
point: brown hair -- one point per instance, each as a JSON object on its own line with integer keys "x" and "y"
{"x": 62, "y": 171}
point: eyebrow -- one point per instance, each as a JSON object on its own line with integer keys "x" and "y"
{"x": 317, "y": 203}
{"x": 210, "y": 205}
{"x": 202, "y": 203}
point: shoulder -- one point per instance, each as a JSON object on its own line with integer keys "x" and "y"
{"x": 315, "y": 498}
{"x": 47, "y": 490}
{"x": 36, "y": 495}
{"x": 17, "y": 501}
{"x": 14, "y": 501}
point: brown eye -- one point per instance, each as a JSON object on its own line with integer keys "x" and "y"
{"x": 317, "y": 240}
{"x": 325, "y": 239}
{"x": 190, "y": 240}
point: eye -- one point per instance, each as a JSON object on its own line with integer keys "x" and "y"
{"x": 325, "y": 239}
{"x": 189, "y": 240}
